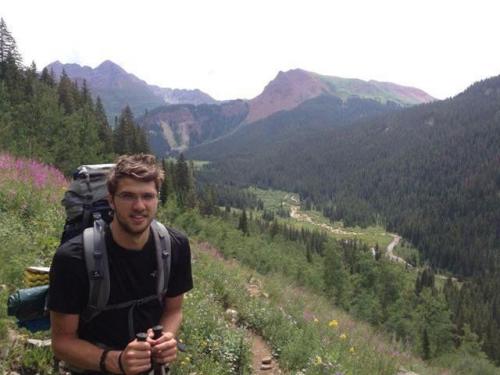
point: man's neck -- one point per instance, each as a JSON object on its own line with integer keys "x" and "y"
{"x": 127, "y": 240}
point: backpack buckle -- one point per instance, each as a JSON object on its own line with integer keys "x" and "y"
{"x": 95, "y": 275}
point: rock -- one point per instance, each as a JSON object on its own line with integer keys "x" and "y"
{"x": 39, "y": 343}
{"x": 267, "y": 360}
{"x": 266, "y": 367}
{"x": 232, "y": 315}
{"x": 403, "y": 371}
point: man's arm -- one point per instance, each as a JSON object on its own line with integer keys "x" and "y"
{"x": 165, "y": 348}
{"x": 82, "y": 354}
{"x": 171, "y": 318}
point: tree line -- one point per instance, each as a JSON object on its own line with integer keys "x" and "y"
{"x": 57, "y": 122}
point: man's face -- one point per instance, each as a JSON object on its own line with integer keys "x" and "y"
{"x": 135, "y": 204}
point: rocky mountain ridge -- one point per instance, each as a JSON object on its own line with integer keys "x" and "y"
{"x": 117, "y": 88}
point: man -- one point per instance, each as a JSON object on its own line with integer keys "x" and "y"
{"x": 103, "y": 344}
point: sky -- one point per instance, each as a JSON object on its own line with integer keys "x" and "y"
{"x": 232, "y": 48}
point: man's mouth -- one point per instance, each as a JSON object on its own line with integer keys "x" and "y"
{"x": 138, "y": 218}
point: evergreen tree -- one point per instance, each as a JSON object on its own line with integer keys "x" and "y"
{"x": 47, "y": 78}
{"x": 243, "y": 223}
{"x": 8, "y": 46}
{"x": 182, "y": 181}
{"x": 168, "y": 188}
{"x": 128, "y": 138}
{"x": 104, "y": 131}
{"x": 336, "y": 276}
{"x": 434, "y": 324}
{"x": 66, "y": 94}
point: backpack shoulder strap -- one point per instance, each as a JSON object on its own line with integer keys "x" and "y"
{"x": 163, "y": 257}
{"x": 96, "y": 261}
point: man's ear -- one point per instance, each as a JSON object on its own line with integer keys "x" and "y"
{"x": 110, "y": 201}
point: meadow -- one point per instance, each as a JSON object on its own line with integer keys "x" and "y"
{"x": 292, "y": 309}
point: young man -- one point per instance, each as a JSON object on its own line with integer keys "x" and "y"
{"x": 103, "y": 344}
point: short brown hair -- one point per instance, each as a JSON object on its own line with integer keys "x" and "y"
{"x": 141, "y": 167}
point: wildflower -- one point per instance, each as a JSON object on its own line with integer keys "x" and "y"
{"x": 333, "y": 323}
{"x": 351, "y": 350}
{"x": 343, "y": 336}
{"x": 318, "y": 360}
{"x": 316, "y": 320}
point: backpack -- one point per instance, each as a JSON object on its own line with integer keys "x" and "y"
{"x": 88, "y": 211}
{"x": 86, "y": 196}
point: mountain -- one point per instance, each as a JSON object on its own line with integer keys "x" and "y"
{"x": 117, "y": 88}
{"x": 178, "y": 127}
{"x": 182, "y": 96}
{"x": 293, "y": 87}
{"x": 286, "y": 92}
{"x": 429, "y": 172}
{"x": 285, "y": 129}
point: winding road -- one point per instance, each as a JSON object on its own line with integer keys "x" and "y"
{"x": 296, "y": 214}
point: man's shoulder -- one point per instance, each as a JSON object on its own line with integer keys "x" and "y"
{"x": 177, "y": 237}
{"x": 72, "y": 248}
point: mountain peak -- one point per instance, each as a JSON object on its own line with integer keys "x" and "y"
{"x": 109, "y": 66}
{"x": 285, "y": 92}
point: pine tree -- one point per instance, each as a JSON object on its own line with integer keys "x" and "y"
{"x": 8, "y": 46}
{"x": 243, "y": 223}
{"x": 167, "y": 188}
{"x": 124, "y": 133}
{"x": 181, "y": 180}
{"x": 105, "y": 132}
{"x": 47, "y": 78}
{"x": 66, "y": 95}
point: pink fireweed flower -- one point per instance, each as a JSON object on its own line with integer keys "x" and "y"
{"x": 30, "y": 172}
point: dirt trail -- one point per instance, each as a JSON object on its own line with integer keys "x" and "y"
{"x": 262, "y": 352}
{"x": 300, "y": 216}
{"x": 262, "y": 357}
{"x": 390, "y": 251}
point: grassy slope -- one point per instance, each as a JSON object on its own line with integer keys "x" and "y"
{"x": 305, "y": 330}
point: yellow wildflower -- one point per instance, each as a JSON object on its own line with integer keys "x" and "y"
{"x": 352, "y": 349}
{"x": 333, "y": 323}
{"x": 316, "y": 320}
{"x": 343, "y": 336}
{"x": 318, "y": 361}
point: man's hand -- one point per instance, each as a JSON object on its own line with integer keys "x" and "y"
{"x": 136, "y": 357}
{"x": 164, "y": 349}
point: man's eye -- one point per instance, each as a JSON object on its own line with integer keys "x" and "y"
{"x": 148, "y": 197}
{"x": 127, "y": 196}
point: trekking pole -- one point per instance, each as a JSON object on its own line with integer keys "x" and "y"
{"x": 142, "y": 336}
{"x": 158, "y": 369}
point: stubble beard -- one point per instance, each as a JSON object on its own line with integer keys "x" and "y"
{"x": 135, "y": 232}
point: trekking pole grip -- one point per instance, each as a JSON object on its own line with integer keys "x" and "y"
{"x": 158, "y": 369}
{"x": 142, "y": 337}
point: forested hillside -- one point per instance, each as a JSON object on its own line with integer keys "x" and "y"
{"x": 57, "y": 122}
{"x": 430, "y": 173}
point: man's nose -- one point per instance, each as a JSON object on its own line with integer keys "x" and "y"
{"x": 139, "y": 202}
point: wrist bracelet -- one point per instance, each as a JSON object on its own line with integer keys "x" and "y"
{"x": 120, "y": 364}
{"x": 102, "y": 361}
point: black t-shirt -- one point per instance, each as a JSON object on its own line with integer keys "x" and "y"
{"x": 132, "y": 276}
